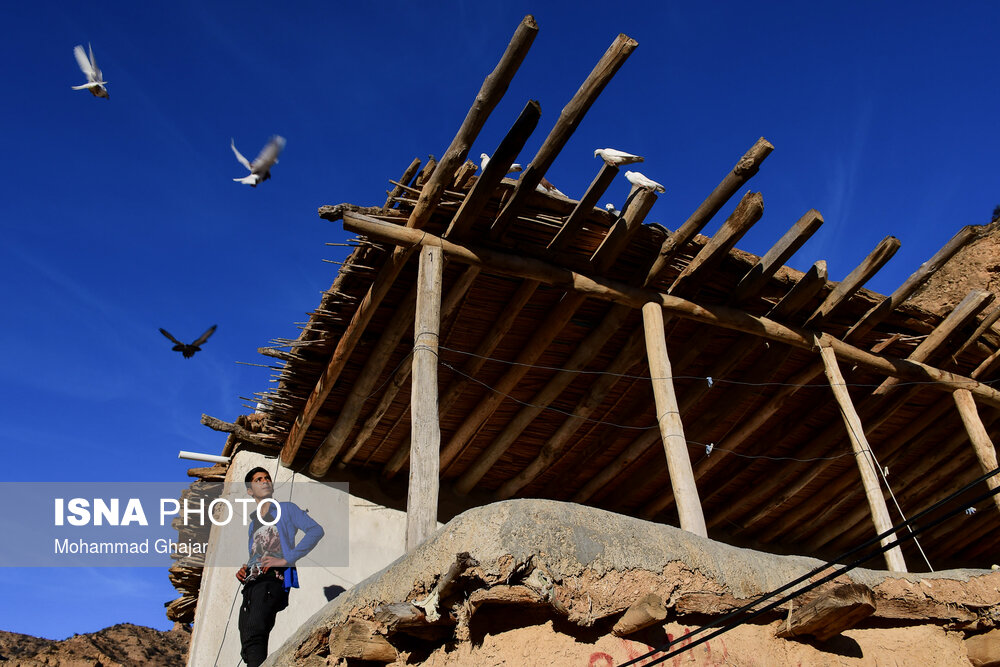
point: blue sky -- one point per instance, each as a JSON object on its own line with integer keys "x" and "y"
{"x": 120, "y": 216}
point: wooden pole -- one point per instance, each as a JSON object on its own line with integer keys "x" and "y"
{"x": 489, "y": 96}
{"x": 722, "y": 316}
{"x": 981, "y": 442}
{"x": 425, "y": 445}
{"x": 862, "y": 452}
{"x": 569, "y": 119}
{"x": 671, "y": 427}
{"x": 744, "y": 170}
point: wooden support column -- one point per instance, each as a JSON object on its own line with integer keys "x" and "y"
{"x": 981, "y": 442}
{"x": 671, "y": 429}
{"x": 425, "y": 445}
{"x": 862, "y": 452}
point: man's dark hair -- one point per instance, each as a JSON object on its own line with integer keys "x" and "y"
{"x": 249, "y": 478}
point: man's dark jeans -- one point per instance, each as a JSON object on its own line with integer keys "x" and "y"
{"x": 262, "y": 600}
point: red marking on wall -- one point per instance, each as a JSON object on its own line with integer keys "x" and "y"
{"x": 601, "y": 659}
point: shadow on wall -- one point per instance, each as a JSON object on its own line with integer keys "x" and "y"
{"x": 332, "y": 591}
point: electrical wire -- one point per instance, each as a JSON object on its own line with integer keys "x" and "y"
{"x": 736, "y": 614}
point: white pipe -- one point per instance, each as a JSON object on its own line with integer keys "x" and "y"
{"x": 209, "y": 458}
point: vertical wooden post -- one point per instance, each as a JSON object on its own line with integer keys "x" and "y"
{"x": 981, "y": 442}
{"x": 669, "y": 418}
{"x": 425, "y": 442}
{"x": 863, "y": 455}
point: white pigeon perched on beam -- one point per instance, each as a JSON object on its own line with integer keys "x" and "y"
{"x": 640, "y": 181}
{"x": 484, "y": 160}
{"x": 610, "y": 208}
{"x": 617, "y": 158}
{"x": 260, "y": 168}
{"x": 88, "y": 65}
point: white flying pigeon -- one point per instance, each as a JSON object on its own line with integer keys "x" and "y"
{"x": 640, "y": 181}
{"x": 616, "y": 158}
{"x": 546, "y": 186}
{"x": 484, "y": 160}
{"x": 260, "y": 169}
{"x": 88, "y": 65}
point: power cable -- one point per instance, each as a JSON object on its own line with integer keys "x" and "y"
{"x": 833, "y": 575}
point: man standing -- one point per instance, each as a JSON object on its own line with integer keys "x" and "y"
{"x": 270, "y": 572}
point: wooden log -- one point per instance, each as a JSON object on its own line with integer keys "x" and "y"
{"x": 489, "y": 96}
{"x": 422, "y": 494}
{"x": 584, "y": 353}
{"x": 584, "y": 208}
{"x": 618, "y": 237}
{"x": 240, "y": 432}
{"x": 449, "y": 307}
{"x": 722, "y": 316}
{"x": 881, "y": 310}
{"x": 546, "y": 332}
{"x": 842, "y": 608}
{"x": 505, "y": 595}
{"x": 335, "y": 439}
{"x": 569, "y": 119}
{"x": 966, "y": 310}
{"x": 986, "y": 454}
{"x": 730, "y": 184}
{"x": 866, "y": 462}
{"x": 486, "y": 100}
{"x": 644, "y": 612}
{"x": 988, "y": 321}
{"x": 463, "y": 174}
{"x": 358, "y": 640}
{"x": 802, "y": 292}
{"x": 397, "y": 190}
{"x": 626, "y": 358}
{"x": 671, "y": 428}
{"x": 495, "y": 171}
{"x": 875, "y": 260}
{"x": 777, "y": 256}
{"x": 747, "y": 212}
{"x": 876, "y": 409}
{"x": 471, "y": 367}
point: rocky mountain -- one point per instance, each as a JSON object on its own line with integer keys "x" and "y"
{"x": 121, "y": 645}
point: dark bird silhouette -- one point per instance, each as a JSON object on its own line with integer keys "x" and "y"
{"x": 188, "y": 350}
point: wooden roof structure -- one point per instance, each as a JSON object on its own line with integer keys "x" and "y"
{"x": 785, "y": 396}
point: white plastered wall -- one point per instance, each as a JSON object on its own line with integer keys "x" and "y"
{"x": 377, "y": 537}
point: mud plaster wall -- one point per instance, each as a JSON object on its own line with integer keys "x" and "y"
{"x": 976, "y": 266}
{"x": 600, "y": 562}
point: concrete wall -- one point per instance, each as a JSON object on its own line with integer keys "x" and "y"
{"x": 377, "y": 537}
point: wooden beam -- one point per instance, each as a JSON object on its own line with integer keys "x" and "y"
{"x": 612, "y": 290}
{"x": 862, "y": 452}
{"x": 828, "y": 615}
{"x": 875, "y": 260}
{"x": 967, "y": 309}
{"x": 358, "y": 640}
{"x": 881, "y": 310}
{"x": 618, "y": 237}
{"x": 397, "y": 190}
{"x": 569, "y": 119}
{"x": 584, "y": 208}
{"x": 422, "y": 494}
{"x": 730, "y": 184}
{"x": 682, "y": 482}
{"x": 627, "y": 357}
{"x": 988, "y": 321}
{"x": 986, "y": 454}
{"x": 489, "y": 96}
{"x": 747, "y": 212}
{"x": 363, "y": 386}
{"x": 498, "y": 166}
{"x": 644, "y": 612}
{"x": 449, "y": 307}
{"x": 584, "y": 353}
{"x": 239, "y": 432}
{"x": 776, "y": 257}
{"x": 472, "y": 365}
